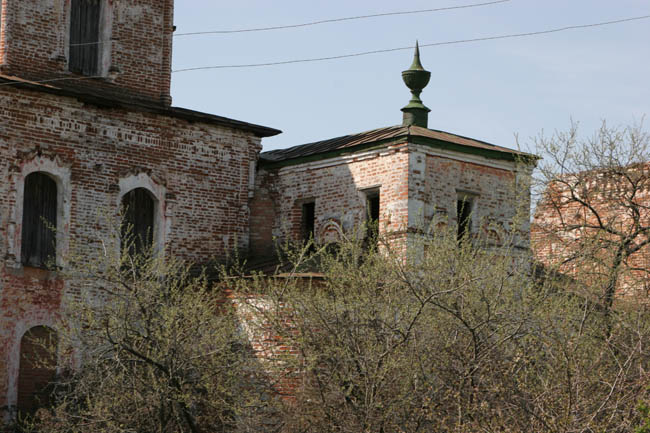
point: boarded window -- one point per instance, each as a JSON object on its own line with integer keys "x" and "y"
{"x": 372, "y": 209}
{"x": 137, "y": 226}
{"x": 84, "y": 36}
{"x": 308, "y": 220}
{"x": 464, "y": 215}
{"x": 39, "y": 220}
{"x": 37, "y": 368}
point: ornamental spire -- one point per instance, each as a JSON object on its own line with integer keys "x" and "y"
{"x": 416, "y": 78}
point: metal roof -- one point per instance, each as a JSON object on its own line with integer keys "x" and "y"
{"x": 382, "y": 135}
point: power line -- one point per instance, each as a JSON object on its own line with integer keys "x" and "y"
{"x": 388, "y": 50}
{"x": 91, "y": 43}
{"x": 36, "y": 99}
{"x": 461, "y": 41}
{"x": 14, "y": 83}
{"x": 335, "y": 20}
{"x": 314, "y": 22}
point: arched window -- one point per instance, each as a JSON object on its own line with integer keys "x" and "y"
{"x": 39, "y": 220}
{"x": 138, "y": 224}
{"x": 38, "y": 349}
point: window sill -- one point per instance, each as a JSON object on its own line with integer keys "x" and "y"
{"x": 37, "y": 273}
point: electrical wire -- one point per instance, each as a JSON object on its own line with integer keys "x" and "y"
{"x": 335, "y": 20}
{"x": 314, "y": 22}
{"x": 22, "y": 81}
{"x": 91, "y": 43}
{"x": 461, "y": 41}
{"x": 388, "y": 50}
{"x": 33, "y": 99}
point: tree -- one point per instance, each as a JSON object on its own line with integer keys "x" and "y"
{"x": 354, "y": 337}
{"x": 151, "y": 347}
{"x": 457, "y": 337}
{"x": 593, "y": 219}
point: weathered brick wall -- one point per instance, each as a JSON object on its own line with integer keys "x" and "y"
{"x": 198, "y": 172}
{"x": 565, "y": 234}
{"x": 416, "y": 185}
{"x": 438, "y": 181}
{"x": 35, "y": 37}
{"x": 3, "y": 21}
{"x": 28, "y": 297}
{"x": 337, "y": 187}
{"x": 38, "y": 350}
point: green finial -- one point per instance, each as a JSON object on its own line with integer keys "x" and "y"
{"x": 416, "y": 78}
{"x": 416, "y": 65}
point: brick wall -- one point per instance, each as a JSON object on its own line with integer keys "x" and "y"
{"x": 198, "y": 172}
{"x": 35, "y": 37}
{"x": 565, "y": 234}
{"x": 337, "y": 187}
{"x": 437, "y": 185}
{"x": 38, "y": 353}
{"x": 416, "y": 183}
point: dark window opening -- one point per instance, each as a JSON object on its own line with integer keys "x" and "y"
{"x": 138, "y": 221}
{"x": 372, "y": 209}
{"x": 38, "y": 247}
{"x": 308, "y": 221}
{"x": 37, "y": 369}
{"x": 464, "y": 212}
{"x": 84, "y": 36}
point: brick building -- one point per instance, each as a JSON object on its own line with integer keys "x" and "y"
{"x": 86, "y": 124}
{"x": 594, "y": 225}
{"x": 404, "y": 177}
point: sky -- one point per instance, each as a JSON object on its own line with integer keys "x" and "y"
{"x": 490, "y": 90}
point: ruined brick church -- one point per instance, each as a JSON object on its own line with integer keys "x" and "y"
{"x": 87, "y": 123}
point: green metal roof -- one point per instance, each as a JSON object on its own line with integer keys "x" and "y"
{"x": 390, "y": 135}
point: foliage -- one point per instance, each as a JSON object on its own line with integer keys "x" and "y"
{"x": 151, "y": 347}
{"x": 644, "y": 409}
{"x": 454, "y": 338}
{"x": 594, "y": 212}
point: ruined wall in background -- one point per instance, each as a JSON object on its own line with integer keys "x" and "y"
{"x": 566, "y": 237}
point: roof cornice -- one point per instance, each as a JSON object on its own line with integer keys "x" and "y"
{"x": 103, "y": 101}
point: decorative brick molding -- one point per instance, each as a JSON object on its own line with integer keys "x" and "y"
{"x": 162, "y": 218}
{"x": 60, "y": 172}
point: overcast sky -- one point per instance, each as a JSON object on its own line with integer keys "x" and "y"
{"x": 487, "y": 90}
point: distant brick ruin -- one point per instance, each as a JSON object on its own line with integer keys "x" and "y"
{"x": 594, "y": 226}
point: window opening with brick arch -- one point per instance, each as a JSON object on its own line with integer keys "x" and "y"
{"x": 37, "y": 370}
{"x": 85, "y": 45}
{"x": 38, "y": 248}
{"x": 138, "y": 210}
